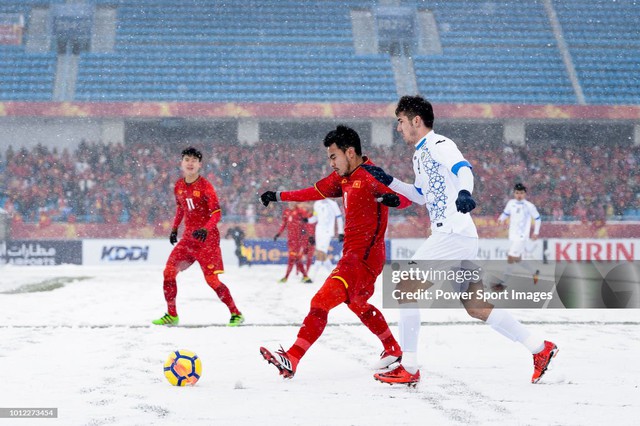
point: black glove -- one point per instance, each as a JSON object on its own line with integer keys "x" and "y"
{"x": 312, "y": 240}
{"x": 465, "y": 203}
{"x": 305, "y": 220}
{"x": 268, "y": 197}
{"x": 275, "y": 237}
{"x": 380, "y": 175}
{"x": 173, "y": 237}
{"x": 200, "y": 234}
{"x": 340, "y": 238}
{"x": 390, "y": 199}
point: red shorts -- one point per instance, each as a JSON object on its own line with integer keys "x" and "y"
{"x": 294, "y": 246}
{"x": 189, "y": 250}
{"x": 358, "y": 278}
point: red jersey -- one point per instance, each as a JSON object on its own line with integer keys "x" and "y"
{"x": 292, "y": 221}
{"x": 309, "y": 231}
{"x": 197, "y": 204}
{"x": 365, "y": 218}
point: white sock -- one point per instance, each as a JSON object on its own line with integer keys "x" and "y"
{"x": 409, "y": 329}
{"x": 505, "y": 324}
{"x": 527, "y": 266}
{"x": 507, "y": 271}
{"x": 410, "y": 361}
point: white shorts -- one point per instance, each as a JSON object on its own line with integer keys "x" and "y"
{"x": 450, "y": 248}
{"x": 323, "y": 240}
{"x": 517, "y": 248}
{"x": 442, "y": 246}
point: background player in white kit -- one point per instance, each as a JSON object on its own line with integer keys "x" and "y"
{"x": 520, "y": 213}
{"x": 442, "y": 176}
{"x": 326, "y": 213}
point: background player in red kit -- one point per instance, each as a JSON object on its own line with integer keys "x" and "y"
{"x": 293, "y": 222}
{"x": 198, "y": 205}
{"x": 308, "y": 242}
{"x": 365, "y": 201}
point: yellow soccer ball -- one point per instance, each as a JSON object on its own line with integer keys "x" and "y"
{"x": 182, "y": 368}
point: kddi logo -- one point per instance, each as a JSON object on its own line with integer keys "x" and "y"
{"x": 122, "y": 253}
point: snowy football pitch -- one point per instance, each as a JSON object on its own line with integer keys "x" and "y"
{"x": 78, "y": 338}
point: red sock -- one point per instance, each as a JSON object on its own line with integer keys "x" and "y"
{"x": 290, "y": 263}
{"x": 312, "y": 327}
{"x": 374, "y": 320}
{"x": 331, "y": 294}
{"x": 300, "y": 267}
{"x": 308, "y": 265}
{"x": 170, "y": 291}
{"x": 223, "y": 293}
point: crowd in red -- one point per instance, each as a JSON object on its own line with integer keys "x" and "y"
{"x": 133, "y": 183}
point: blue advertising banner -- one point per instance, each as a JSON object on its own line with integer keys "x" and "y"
{"x": 268, "y": 252}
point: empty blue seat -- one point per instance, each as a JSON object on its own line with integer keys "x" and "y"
{"x": 285, "y": 50}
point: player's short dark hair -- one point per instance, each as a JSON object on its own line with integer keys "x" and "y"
{"x": 344, "y": 137}
{"x": 520, "y": 187}
{"x": 192, "y": 152}
{"x": 413, "y": 106}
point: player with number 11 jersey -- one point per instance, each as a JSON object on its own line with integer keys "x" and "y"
{"x": 197, "y": 203}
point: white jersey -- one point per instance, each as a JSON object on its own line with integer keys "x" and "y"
{"x": 325, "y": 214}
{"x": 520, "y": 214}
{"x": 436, "y": 162}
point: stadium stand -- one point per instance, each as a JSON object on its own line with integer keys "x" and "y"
{"x": 499, "y": 51}
{"x": 111, "y": 183}
{"x": 25, "y": 76}
{"x": 289, "y": 51}
{"x": 217, "y": 51}
{"x": 604, "y": 40}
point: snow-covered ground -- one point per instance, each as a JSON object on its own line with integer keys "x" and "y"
{"x": 79, "y": 338}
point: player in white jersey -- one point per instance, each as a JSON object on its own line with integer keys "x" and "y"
{"x": 520, "y": 213}
{"x": 444, "y": 183}
{"x": 326, "y": 213}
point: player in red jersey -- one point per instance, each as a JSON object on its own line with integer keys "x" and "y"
{"x": 308, "y": 241}
{"x": 293, "y": 222}
{"x": 198, "y": 205}
{"x": 366, "y": 202}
